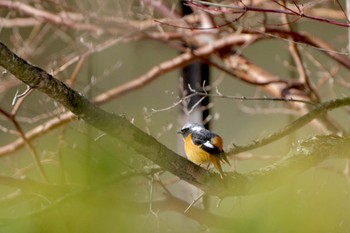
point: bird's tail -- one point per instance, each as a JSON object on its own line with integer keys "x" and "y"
{"x": 224, "y": 159}
{"x": 216, "y": 162}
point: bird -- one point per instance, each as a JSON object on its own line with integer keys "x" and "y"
{"x": 202, "y": 145}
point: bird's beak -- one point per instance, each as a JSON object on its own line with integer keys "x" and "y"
{"x": 179, "y": 132}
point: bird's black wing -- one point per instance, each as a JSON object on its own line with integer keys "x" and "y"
{"x": 204, "y": 141}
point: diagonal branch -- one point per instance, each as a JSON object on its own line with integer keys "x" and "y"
{"x": 174, "y": 63}
{"x": 116, "y": 126}
{"x": 318, "y": 111}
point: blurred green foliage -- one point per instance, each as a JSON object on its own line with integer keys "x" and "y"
{"x": 316, "y": 201}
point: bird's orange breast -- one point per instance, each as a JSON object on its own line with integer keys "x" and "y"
{"x": 194, "y": 153}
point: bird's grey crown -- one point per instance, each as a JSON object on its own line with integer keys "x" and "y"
{"x": 193, "y": 127}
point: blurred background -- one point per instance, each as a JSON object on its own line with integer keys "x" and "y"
{"x": 122, "y": 56}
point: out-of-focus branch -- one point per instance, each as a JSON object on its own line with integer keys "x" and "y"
{"x": 242, "y": 67}
{"x": 326, "y": 12}
{"x": 317, "y": 43}
{"x": 163, "y": 9}
{"x": 66, "y": 19}
{"x": 220, "y": 44}
{"x": 18, "y": 22}
{"x": 174, "y": 63}
{"x": 295, "y": 54}
{"x": 62, "y": 194}
{"x": 33, "y": 187}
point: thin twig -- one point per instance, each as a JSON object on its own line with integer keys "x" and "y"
{"x": 219, "y": 95}
{"x": 294, "y": 51}
{"x": 18, "y": 96}
{"x": 194, "y": 202}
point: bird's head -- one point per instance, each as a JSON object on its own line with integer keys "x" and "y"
{"x": 190, "y": 128}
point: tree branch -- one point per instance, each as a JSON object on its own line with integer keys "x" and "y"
{"x": 64, "y": 18}
{"x": 318, "y": 111}
{"x": 31, "y": 186}
{"x": 302, "y": 156}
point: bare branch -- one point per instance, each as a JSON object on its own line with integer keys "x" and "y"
{"x": 179, "y": 61}
{"x": 59, "y": 19}
{"x": 294, "y": 51}
{"x": 18, "y": 22}
{"x": 318, "y": 111}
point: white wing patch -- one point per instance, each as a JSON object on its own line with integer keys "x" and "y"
{"x": 208, "y": 144}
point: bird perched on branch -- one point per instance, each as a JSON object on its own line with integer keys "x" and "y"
{"x": 201, "y": 145}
